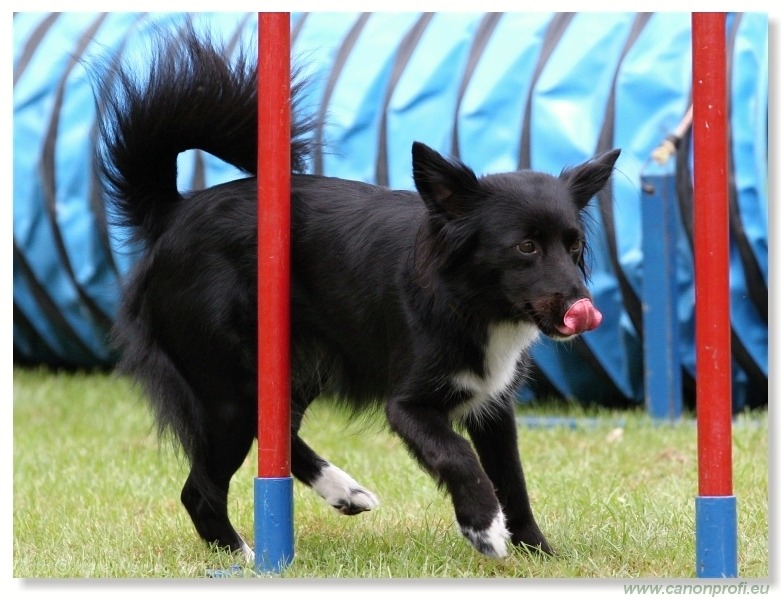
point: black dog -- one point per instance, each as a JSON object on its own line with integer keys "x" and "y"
{"x": 425, "y": 301}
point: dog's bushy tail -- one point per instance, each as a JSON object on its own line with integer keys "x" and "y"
{"x": 190, "y": 95}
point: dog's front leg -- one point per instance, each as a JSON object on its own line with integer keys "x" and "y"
{"x": 496, "y": 441}
{"x": 449, "y": 458}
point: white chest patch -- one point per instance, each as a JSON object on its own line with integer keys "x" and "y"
{"x": 505, "y": 345}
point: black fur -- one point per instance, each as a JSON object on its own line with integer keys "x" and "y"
{"x": 425, "y": 301}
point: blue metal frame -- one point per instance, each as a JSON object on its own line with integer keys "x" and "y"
{"x": 661, "y": 348}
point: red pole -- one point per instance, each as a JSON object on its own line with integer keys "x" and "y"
{"x": 274, "y": 245}
{"x": 711, "y": 256}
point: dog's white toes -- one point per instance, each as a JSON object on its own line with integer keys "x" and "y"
{"x": 249, "y": 553}
{"x": 344, "y": 493}
{"x": 358, "y": 501}
{"x": 491, "y": 541}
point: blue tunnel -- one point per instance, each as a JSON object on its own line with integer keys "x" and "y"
{"x": 500, "y": 91}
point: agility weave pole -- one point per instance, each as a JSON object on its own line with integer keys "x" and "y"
{"x": 715, "y": 506}
{"x": 274, "y": 484}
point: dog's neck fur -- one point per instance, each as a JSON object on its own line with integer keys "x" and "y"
{"x": 505, "y": 345}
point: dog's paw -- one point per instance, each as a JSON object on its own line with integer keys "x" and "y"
{"x": 247, "y": 552}
{"x": 491, "y": 541}
{"x": 530, "y": 537}
{"x": 344, "y": 493}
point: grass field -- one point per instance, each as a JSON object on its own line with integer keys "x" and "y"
{"x": 96, "y": 496}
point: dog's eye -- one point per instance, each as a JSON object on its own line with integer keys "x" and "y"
{"x": 576, "y": 247}
{"x": 527, "y": 247}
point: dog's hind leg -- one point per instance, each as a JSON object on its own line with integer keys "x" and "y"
{"x": 205, "y": 494}
{"x": 335, "y": 486}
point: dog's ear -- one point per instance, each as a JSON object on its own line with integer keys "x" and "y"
{"x": 586, "y": 180}
{"x": 447, "y": 186}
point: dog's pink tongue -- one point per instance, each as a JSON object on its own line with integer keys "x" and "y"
{"x": 580, "y": 317}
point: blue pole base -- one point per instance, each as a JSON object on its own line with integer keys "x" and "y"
{"x": 273, "y": 524}
{"x": 717, "y": 536}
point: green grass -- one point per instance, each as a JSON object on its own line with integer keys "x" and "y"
{"x": 95, "y": 495}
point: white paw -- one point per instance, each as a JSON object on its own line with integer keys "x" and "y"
{"x": 344, "y": 493}
{"x": 491, "y": 541}
{"x": 249, "y": 554}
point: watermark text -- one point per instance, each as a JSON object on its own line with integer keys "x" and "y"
{"x": 698, "y": 589}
